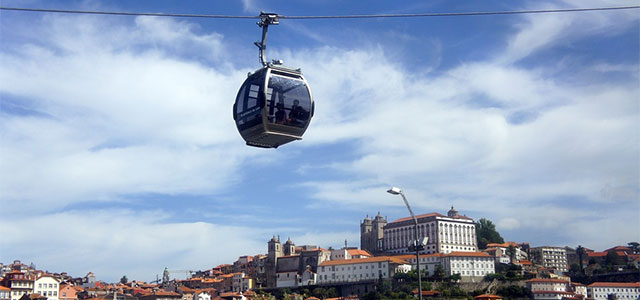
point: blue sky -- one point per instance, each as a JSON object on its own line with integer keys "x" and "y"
{"x": 119, "y": 154}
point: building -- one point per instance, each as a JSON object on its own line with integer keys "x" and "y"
{"x": 549, "y": 289}
{"x": 372, "y": 233}
{"x": 48, "y": 286}
{"x": 67, "y": 292}
{"x": 5, "y": 293}
{"x": 551, "y": 258}
{"x": 502, "y": 255}
{"x": 360, "y": 269}
{"x": 445, "y": 234}
{"x": 287, "y": 264}
{"x": 471, "y": 266}
{"x": 621, "y": 290}
{"x": 160, "y": 295}
{"x": 428, "y": 262}
{"x": 19, "y": 283}
{"x": 242, "y": 283}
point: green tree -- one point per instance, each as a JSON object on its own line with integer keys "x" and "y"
{"x": 486, "y": 233}
{"x": 124, "y": 279}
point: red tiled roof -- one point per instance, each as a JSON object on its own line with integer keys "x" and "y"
{"x": 487, "y": 296}
{"x": 407, "y": 257}
{"x": 549, "y": 280}
{"x": 468, "y": 254}
{"x": 4, "y": 288}
{"x": 354, "y": 252}
{"x": 427, "y": 293}
{"x": 394, "y": 259}
{"x": 434, "y": 214}
{"x": 503, "y": 245}
{"x": 596, "y": 254}
{"x": 615, "y": 284}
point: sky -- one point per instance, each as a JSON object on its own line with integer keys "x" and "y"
{"x": 119, "y": 154}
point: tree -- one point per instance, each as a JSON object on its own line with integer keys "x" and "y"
{"x": 486, "y": 233}
{"x": 124, "y": 279}
{"x": 635, "y": 247}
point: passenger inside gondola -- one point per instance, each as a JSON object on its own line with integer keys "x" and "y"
{"x": 297, "y": 115}
{"x": 281, "y": 115}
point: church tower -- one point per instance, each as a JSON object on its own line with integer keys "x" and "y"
{"x": 289, "y": 247}
{"x": 275, "y": 251}
{"x": 365, "y": 234}
{"x": 378, "y": 234}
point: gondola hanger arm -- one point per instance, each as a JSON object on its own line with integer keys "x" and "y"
{"x": 266, "y": 19}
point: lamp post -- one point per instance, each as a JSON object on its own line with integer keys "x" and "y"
{"x": 417, "y": 246}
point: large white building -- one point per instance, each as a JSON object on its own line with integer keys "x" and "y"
{"x": 360, "y": 269}
{"x": 470, "y": 265}
{"x": 622, "y": 290}
{"x": 445, "y": 234}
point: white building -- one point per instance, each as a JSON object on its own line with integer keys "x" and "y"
{"x": 5, "y": 293}
{"x": 201, "y": 295}
{"x": 549, "y": 289}
{"x": 471, "y": 266}
{"x": 241, "y": 282}
{"x": 360, "y": 269}
{"x": 551, "y": 257}
{"x": 48, "y": 286}
{"x": 501, "y": 252}
{"x": 445, "y": 234}
{"x": 428, "y": 262}
{"x": 622, "y": 290}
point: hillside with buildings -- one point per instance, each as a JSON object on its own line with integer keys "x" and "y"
{"x": 450, "y": 261}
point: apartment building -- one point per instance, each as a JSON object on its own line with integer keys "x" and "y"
{"x": 551, "y": 257}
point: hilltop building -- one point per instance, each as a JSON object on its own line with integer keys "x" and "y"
{"x": 446, "y": 234}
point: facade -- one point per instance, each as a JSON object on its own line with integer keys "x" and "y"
{"x": 48, "y": 286}
{"x": 242, "y": 283}
{"x": 445, "y": 234}
{"x": 549, "y": 289}
{"x": 501, "y": 252}
{"x": 360, "y": 269}
{"x": 67, "y": 292}
{"x": 5, "y": 293}
{"x": 20, "y": 284}
{"x": 286, "y": 264}
{"x": 428, "y": 262}
{"x": 550, "y": 257}
{"x": 621, "y": 290}
{"x": 471, "y": 266}
{"x": 372, "y": 233}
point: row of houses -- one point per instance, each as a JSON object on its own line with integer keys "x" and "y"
{"x": 558, "y": 289}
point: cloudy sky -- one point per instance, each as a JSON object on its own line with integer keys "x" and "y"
{"x": 119, "y": 154}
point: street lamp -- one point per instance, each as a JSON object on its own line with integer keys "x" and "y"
{"x": 417, "y": 246}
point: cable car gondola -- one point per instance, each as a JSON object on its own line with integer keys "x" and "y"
{"x": 274, "y": 104}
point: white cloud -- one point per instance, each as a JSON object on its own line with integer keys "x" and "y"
{"x": 113, "y": 243}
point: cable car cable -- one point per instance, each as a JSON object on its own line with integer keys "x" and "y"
{"x": 364, "y": 16}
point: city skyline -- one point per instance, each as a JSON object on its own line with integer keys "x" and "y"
{"x": 119, "y": 148}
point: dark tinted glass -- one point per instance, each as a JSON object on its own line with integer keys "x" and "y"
{"x": 249, "y": 103}
{"x": 288, "y": 101}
